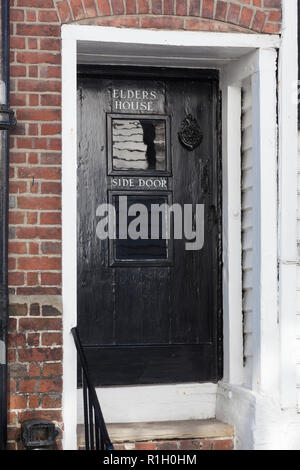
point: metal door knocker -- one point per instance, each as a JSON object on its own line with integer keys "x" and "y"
{"x": 190, "y": 134}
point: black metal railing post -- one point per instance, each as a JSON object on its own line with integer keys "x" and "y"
{"x": 95, "y": 430}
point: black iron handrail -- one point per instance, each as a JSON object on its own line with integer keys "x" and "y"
{"x": 96, "y": 435}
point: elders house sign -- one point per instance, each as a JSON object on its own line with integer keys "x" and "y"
{"x": 147, "y": 100}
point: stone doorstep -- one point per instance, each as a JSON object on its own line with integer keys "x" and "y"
{"x": 164, "y": 431}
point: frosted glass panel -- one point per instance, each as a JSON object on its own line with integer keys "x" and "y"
{"x": 139, "y": 144}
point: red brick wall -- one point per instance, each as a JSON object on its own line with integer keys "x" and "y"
{"x": 35, "y": 339}
{"x": 212, "y": 15}
{"x": 35, "y": 334}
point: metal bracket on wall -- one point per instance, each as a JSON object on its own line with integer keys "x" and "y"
{"x": 7, "y": 118}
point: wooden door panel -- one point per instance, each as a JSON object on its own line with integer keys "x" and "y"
{"x": 151, "y": 364}
{"x": 148, "y": 313}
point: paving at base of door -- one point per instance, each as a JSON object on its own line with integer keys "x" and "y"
{"x": 169, "y": 435}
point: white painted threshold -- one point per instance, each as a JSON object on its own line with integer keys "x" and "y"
{"x": 176, "y": 402}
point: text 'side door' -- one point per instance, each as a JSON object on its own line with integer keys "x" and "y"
{"x": 149, "y": 309}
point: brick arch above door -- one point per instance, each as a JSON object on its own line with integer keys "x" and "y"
{"x": 259, "y": 16}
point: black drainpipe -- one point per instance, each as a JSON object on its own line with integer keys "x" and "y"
{"x": 7, "y": 122}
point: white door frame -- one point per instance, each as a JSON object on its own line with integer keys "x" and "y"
{"x": 260, "y": 412}
{"x": 209, "y": 48}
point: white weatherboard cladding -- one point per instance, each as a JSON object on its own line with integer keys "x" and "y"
{"x": 298, "y": 282}
{"x": 247, "y": 226}
{"x": 265, "y": 416}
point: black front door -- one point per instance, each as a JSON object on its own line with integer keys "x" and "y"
{"x": 149, "y": 307}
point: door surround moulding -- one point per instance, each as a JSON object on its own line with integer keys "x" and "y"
{"x": 224, "y": 51}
